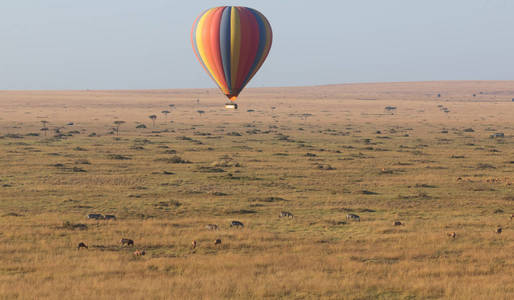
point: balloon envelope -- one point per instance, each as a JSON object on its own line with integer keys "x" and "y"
{"x": 231, "y": 43}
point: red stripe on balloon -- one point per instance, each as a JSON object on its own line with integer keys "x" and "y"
{"x": 267, "y": 35}
{"x": 249, "y": 46}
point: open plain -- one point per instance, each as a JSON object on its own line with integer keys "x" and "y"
{"x": 436, "y": 156}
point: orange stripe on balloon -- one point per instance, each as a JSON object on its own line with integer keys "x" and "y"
{"x": 214, "y": 44}
{"x": 199, "y": 38}
{"x": 195, "y": 45}
{"x": 204, "y": 42}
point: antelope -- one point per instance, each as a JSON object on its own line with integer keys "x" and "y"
{"x": 353, "y": 217}
{"x": 82, "y": 245}
{"x": 139, "y": 253}
{"x": 127, "y": 242}
{"x": 193, "y": 244}
{"x": 212, "y": 226}
{"x": 452, "y": 234}
{"x": 286, "y": 214}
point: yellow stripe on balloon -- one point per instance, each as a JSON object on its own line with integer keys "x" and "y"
{"x": 202, "y": 48}
{"x": 235, "y": 44}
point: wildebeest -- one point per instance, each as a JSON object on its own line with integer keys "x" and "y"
{"x": 95, "y": 216}
{"x": 217, "y": 242}
{"x": 452, "y": 234}
{"x": 193, "y": 244}
{"x": 212, "y": 226}
{"x": 139, "y": 253}
{"x": 127, "y": 242}
{"x": 499, "y": 230}
{"x": 81, "y": 245}
{"x": 110, "y": 217}
{"x": 353, "y": 217}
{"x": 398, "y": 223}
{"x": 286, "y": 214}
{"x": 236, "y": 224}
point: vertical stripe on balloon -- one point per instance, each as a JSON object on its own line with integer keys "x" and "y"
{"x": 225, "y": 45}
{"x": 214, "y": 43}
{"x": 235, "y": 45}
{"x": 268, "y": 37}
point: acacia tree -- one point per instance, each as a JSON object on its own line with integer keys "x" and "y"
{"x": 44, "y": 129}
{"x": 117, "y": 125}
{"x": 153, "y": 117}
{"x": 201, "y": 112}
{"x": 165, "y": 112}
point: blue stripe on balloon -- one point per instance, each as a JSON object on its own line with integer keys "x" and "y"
{"x": 225, "y": 44}
{"x": 260, "y": 50}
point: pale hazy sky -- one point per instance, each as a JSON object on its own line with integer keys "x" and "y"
{"x": 136, "y": 44}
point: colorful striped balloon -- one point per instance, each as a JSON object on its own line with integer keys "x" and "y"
{"x": 231, "y": 43}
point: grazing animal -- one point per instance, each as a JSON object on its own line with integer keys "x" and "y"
{"x": 286, "y": 214}
{"x": 139, "y": 253}
{"x": 353, "y": 217}
{"x": 193, "y": 244}
{"x": 511, "y": 217}
{"x": 217, "y": 242}
{"x": 95, "y": 216}
{"x": 212, "y": 226}
{"x": 452, "y": 234}
{"x": 127, "y": 242}
{"x": 236, "y": 224}
{"x": 82, "y": 245}
{"x": 499, "y": 230}
{"x": 398, "y": 223}
{"x": 110, "y": 217}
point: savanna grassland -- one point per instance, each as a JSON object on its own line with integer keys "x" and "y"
{"x": 319, "y": 153}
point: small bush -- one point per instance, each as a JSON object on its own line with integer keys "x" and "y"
{"x": 118, "y": 157}
{"x": 71, "y": 226}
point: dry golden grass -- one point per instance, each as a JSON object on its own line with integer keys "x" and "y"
{"x": 318, "y": 154}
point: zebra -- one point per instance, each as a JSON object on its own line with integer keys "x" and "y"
{"x": 353, "y": 217}
{"x": 95, "y": 216}
{"x": 236, "y": 224}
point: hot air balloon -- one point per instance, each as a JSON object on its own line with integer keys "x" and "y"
{"x": 231, "y": 43}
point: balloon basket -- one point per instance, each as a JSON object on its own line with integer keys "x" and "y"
{"x": 231, "y": 105}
